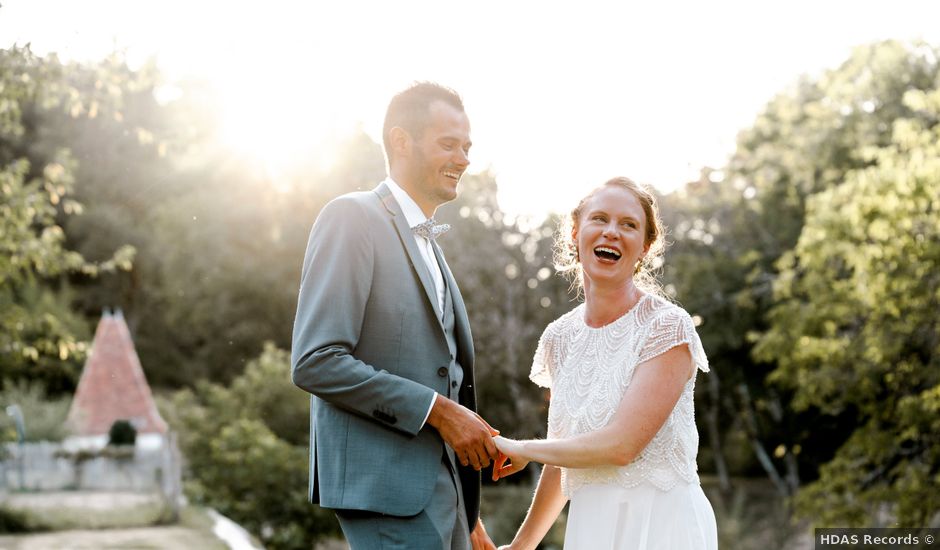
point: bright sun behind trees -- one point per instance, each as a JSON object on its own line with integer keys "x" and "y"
{"x": 811, "y": 262}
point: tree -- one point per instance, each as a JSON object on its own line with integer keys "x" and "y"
{"x": 731, "y": 228}
{"x": 222, "y": 267}
{"x": 855, "y": 326}
{"x": 246, "y": 452}
{"x": 40, "y": 336}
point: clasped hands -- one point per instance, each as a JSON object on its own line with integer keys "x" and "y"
{"x": 474, "y": 441}
{"x": 509, "y": 450}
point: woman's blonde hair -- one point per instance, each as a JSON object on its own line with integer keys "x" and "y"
{"x": 566, "y": 249}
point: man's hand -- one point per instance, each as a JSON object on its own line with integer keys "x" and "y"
{"x": 479, "y": 539}
{"x": 465, "y": 431}
{"x": 511, "y": 450}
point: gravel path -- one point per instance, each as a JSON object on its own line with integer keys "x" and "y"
{"x": 88, "y": 500}
{"x": 155, "y": 538}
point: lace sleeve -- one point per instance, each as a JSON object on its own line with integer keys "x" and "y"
{"x": 543, "y": 364}
{"x": 670, "y": 330}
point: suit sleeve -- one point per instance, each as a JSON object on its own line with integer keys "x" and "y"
{"x": 334, "y": 290}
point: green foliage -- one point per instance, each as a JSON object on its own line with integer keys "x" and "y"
{"x": 239, "y": 465}
{"x": 44, "y": 417}
{"x": 122, "y": 433}
{"x": 38, "y": 512}
{"x": 855, "y": 326}
{"x": 504, "y": 269}
{"x": 40, "y": 337}
{"x": 19, "y": 521}
{"x": 811, "y": 255}
{"x": 219, "y": 254}
{"x": 263, "y": 392}
{"x": 38, "y": 333}
{"x": 731, "y": 229}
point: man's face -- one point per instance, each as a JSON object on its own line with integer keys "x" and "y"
{"x": 439, "y": 156}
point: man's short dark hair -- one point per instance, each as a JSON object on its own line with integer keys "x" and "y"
{"x": 410, "y": 109}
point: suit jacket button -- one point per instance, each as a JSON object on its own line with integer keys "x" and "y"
{"x": 384, "y": 416}
{"x": 442, "y": 372}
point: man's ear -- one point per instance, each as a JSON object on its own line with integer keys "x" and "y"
{"x": 401, "y": 141}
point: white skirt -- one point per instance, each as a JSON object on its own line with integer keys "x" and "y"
{"x": 610, "y": 517}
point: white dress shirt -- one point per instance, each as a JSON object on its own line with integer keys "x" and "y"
{"x": 414, "y": 216}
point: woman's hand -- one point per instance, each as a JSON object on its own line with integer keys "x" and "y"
{"x": 512, "y": 450}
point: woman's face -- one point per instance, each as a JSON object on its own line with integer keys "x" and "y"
{"x": 610, "y": 236}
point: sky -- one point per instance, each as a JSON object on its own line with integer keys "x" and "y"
{"x": 561, "y": 95}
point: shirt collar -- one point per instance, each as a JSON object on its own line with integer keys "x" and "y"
{"x": 409, "y": 207}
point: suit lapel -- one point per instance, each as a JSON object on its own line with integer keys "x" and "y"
{"x": 408, "y": 241}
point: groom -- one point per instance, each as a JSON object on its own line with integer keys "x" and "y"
{"x": 382, "y": 343}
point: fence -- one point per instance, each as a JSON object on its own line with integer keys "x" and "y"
{"x": 51, "y": 466}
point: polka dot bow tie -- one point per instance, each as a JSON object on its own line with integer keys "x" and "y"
{"x": 430, "y": 229}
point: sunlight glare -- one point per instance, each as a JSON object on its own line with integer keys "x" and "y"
{"x": 276, "y": 118}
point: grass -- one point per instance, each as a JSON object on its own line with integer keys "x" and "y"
{"x": 73, "y": 518}
{"x": 139, "y": 538}
{"x": 19, "y": 521}
{"x": 46, "y": 517}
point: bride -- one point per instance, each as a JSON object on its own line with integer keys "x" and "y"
{"x": 621, "y": 369}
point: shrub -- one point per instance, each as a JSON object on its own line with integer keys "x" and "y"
{"x": 242, "y": 457}
{"x": 44, "y": 418}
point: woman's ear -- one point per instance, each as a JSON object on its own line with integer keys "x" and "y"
{"x": 574, "y": 241}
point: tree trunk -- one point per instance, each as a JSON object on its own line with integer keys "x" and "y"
{"x": 750, "y": 422}
{"x": 714, "y": 433}
{"x": 789, "y": 459}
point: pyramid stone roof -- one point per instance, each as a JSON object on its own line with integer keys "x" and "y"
{"x": 112, "y": 385}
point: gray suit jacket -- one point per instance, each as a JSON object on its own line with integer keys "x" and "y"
{"x": 368, "y": 345}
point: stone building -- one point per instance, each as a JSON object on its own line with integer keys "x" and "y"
{"x": 113, "y": 387}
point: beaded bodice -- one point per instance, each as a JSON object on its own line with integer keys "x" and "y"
{"x": 589, "y": 369}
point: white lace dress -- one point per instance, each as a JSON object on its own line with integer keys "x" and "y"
{"x": 655, "y": 502}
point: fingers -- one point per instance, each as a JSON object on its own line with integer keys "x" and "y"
{"x": 491, "y": 451}
{"x": 509, "y": 469}
{"x": 493, "y": 431}
{"x": 504, "y": 472}
{"x": 469, "y": 435}
{"x": 478, "y": 456}
{"x": 489, "y": 446}
{"x": 477, "y": 459}
{"x": 498, "y": 465}
{"x": 483, "y": 449}
{"x": 479, "y": 539}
